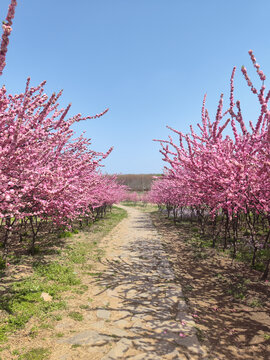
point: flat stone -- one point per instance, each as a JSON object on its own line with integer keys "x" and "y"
{"x": 122, "y": 323}
{"x": 174, "y": 294}
{"x": 131, "y": 294}
{"x": 167, "y": 326}
{"x": 191, "y": 342}
{"x": 144, "y": 345}
{"x": 103, "y": 314}
{"x": 183, "y": 316}
{"x": 182, "y": 305}
{"x": 137, "y": 326}
{"x": 64, "y": 325}
{"x": 119, "y": 350}
{"x": 138, "y": 317}
{"x": 87, "y": 337}
{"x": 98, "y": 325}
{"x": 118, "y": 332}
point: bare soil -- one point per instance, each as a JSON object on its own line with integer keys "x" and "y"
{"x": 150, "y": 294}
{"x": 132, "y": 307}
{"x": 231, "y": 303}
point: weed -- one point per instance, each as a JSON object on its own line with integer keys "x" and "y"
{"x": 36, "y": 354}
{"x": 33, "y": 332}
{"x": 57, "y": 272}
{"x": 15, "y": 352}
{"x": 75, "y": 316}
{"x": 84, "y": 287}
{"x": 64, "y": 234}
{"x": 95, "y": 274}
{"x": 46, "y": 326}
{"x": 79, "y": 292}
{"x": 59, "y": 335}
{"x": 256, "y": 303}
{"x": 57, "y": 317}
{"x": 238, "y": 290}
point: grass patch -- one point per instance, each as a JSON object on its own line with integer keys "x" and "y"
{"x": 75, "y": 315}
{"x": 59, "y": 335}
{"x": 85, "y": 307}
{"x": 36, "y": 354}
{"x": 22, "y": 299}
{"x": 64, "y": 234}
{"x": 59, "y": 273}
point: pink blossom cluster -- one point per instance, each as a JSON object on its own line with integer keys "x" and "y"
{"x": 222, "y": 173}
{"x": 44, "y": 171}
{"x": 6, "y": 32}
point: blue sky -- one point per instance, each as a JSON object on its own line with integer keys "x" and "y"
{"x": 149, "y": 61}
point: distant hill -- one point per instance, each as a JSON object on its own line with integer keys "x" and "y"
{"x": 137, "y": 182}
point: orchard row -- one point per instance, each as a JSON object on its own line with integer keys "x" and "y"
{"x": 223, "y": 180}
{"x": 46, "y": 174}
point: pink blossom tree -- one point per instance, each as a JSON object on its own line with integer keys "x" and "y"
{"x": 221, "y": 175}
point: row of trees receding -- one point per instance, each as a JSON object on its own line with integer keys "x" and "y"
{"x": 46, "y": 174}
{"x": 223, "y": 181}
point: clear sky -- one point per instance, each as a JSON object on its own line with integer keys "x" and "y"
{"x": 149, "y": 61}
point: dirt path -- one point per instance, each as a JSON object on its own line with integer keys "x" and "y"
{"x": 138, "y": 310}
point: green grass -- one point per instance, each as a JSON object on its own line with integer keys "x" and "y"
{"x": 85, "y": 307}
{"x": 75, "y": 315}
{"x": 59, "y": 335}
{"x": 35, "y": 354}
{"x": 256, "y": 303}
{"x": 23, "y": 300}
{"x": 80, "y": 252}
{"x": 62, "y": 274}
{"x": 64, "y": 234}
{"x": 33, "y": 332}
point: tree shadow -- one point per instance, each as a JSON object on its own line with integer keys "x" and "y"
{"x": 221, "y": 294}
{"x": 151, "y": 301}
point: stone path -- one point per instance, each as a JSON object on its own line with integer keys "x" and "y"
{"x": 141, "y": 312}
